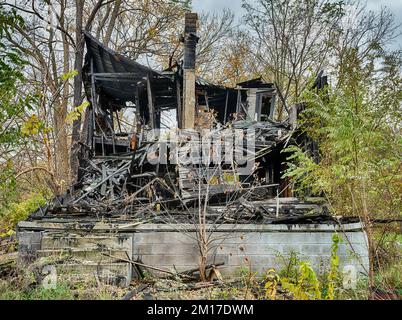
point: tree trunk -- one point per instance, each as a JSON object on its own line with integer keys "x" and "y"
{"x": 62, "y": 142}
{"x": 79, "y": 55}
{"x": 110, "y": 27}
{"x": 59, "y": 115}
{"x": 61, "y": 146}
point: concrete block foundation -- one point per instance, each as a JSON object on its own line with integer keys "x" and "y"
{"x": 259, "y": 246}
{"x": 175, "y": 246}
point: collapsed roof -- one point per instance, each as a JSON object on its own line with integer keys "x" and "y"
{"x": 117, "y": 176}
{"x": 119, "y": 80}
{"x": 117, "y": 77}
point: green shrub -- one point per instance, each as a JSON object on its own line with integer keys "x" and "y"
{"x": 300, "y": 280}
{"x": 18, "y": 211}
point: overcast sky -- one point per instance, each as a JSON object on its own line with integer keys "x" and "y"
{"x": 395, "y": 7}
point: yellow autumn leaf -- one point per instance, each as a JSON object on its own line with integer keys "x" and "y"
{"x": 76, "y": 112}
{"x": 152, "y": 32}
{"x": 69, "y": 75}
{"x": 31, "y": 126}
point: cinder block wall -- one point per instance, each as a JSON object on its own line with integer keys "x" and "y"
{"x": 263, "y": 246}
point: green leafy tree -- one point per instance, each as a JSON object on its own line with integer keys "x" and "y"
{"x": 12, "y": 105}
{"x": 357, "y": 127}
{"x": 14, "y": 129}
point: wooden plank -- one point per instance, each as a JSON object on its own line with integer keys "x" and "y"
{"x": 151, "y": 108}
{"x": 226, "y": 107}
{"x": 179, "y": 107}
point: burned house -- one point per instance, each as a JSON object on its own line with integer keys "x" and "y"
{"x": 160, "y": 145}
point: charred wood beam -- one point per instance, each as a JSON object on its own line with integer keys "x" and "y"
{"x": 151, "y": 108}
{"x": 124, "y": 167}
{"x": 226, "y": 107}
{"x": 179, "y": 105}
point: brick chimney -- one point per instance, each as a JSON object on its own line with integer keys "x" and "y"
{"x": 190, "y": 44}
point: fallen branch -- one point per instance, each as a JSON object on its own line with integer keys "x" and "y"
{"x": 140, "y": 264}
{"x": 136, "y": 267}
{"x": 209, "y": 266}
{"x": 129, "y": 295}
{"x": 202, "y": 285}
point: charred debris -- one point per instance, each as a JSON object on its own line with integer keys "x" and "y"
{"x": 133, "y": 112}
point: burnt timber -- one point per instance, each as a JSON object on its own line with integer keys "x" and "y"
{"x": 123, "y": 184}
{"x": 128, "y": 100}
